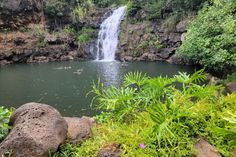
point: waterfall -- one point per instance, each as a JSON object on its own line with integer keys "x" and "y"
{"x": 109, "y": 34}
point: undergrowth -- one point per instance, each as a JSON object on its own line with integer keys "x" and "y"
{"x": 152, "y": 117}
{"x": 4, "y": 119}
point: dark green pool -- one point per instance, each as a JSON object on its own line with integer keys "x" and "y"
{"x": 64, "y": 85}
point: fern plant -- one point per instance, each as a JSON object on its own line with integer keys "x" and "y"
{"x": 135, "y": 78}
{"x": 229, "y": 133}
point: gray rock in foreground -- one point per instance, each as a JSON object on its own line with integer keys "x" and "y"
{"x": 37, "y": 130}
{"x": 79, "y": 129}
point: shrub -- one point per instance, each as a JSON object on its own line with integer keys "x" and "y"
{"x": 85, "y": 35}
{"x": 210, "y": 40}
{"x": 107, "y": 3}
{"x": 4, "y": 119}
{"x": 55, "y": 8}
{"x": 231, "y": 78}
{"x": 161, "y": 9}
{"x": 151, "y": 117}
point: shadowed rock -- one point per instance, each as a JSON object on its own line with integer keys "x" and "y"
{"x": 204, "y": 149}
{"x": 231, "y": 87}
{"x": 15, "y": 14}
{"x": 110, "y": 150}
{"x": 79, "y": 129}
{"x": 37, "y": 130}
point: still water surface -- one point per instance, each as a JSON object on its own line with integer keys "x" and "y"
{"x": 64, "y": 85}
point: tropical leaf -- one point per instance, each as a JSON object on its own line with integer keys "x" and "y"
{"x": 135, "y": 78}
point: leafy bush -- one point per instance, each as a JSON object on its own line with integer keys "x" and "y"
{"x": 161, "y": 9}
{"x": 76, "y": 9}
{"x": 85, "y": 35}
{"x": 55, "y": 8}
{"x": 4, "y": 119}
{"x": 152, "y": 117}
{"x": 210, "y": 40}
{"x": 229, "y": 133}
{"x": 231, "y": 78}
{"x": 107, "y": 3}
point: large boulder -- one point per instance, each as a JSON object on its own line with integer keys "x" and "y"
{"x": 79, "y": 129}
{"x": 18, "y": 13}
{"x": 37, "y": 130}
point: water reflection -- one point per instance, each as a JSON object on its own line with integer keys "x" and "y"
{"x": 110, "y": 73}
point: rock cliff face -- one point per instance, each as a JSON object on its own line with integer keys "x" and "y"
{"x": 150, "y": 41}
{"x": 17, "y": 13}
{"x": 142, "y": 41}
{"x": 36, "y": 44}
{"x": 22, "y": 47}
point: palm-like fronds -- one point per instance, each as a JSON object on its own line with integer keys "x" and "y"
{"x": 185, "y": 78}
{"x": 162, "y": 119}
{"x": 136, "y": 78}
{"x": 231, "y": 132}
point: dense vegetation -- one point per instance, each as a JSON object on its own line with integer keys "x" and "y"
{"x": 160, "y": 117}
{"x": 60, "y": 8}
{"x": 157, "y": 9}
{"x": 211, "y": 38}
{"x": 4, "y": 119}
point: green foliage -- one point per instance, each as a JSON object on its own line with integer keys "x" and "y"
{"x": 171, "y": 21}
{"x": 165, "y": 119}
{"x": 65, "y": 33}
{"x": 210, "y": 40}
{"x": 136, "y": 78}
{"x": 140, "y": 91}
{"x": 55, "y": 8}
{"x": 231, "y": 77}
{"x": 150, "y": 41}
{"x": 39, "y": 32}
{"x": 107, "y": 3}
{"x": 76, "y": 9}
{"x": 159, "y": 9}
{"x": 229, "y": 133}
{"x": 4, "y": 119}
{"x": 85, "y": 35}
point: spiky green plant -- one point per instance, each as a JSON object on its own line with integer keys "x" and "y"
{"x": 230, "y": 132}
{"x": 161, "y": 115}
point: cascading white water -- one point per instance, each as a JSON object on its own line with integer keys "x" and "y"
{"x": 108, "y": 35}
